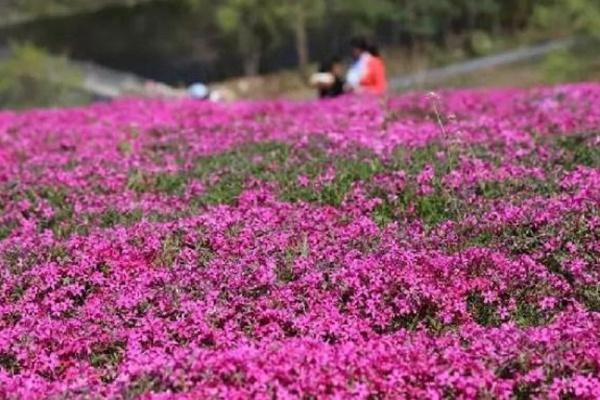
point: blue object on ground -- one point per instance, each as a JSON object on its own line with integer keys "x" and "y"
{"x": 198, "y": 91}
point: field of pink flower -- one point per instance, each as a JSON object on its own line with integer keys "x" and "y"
{"x": 423, "y": 246}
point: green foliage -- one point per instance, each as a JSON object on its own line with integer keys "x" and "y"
{"x": 162, "y": 183}
{"x": 570, "y": 16}
{"x": 62, "y": 208}
{"x": 9, "y": 363}
{"x": 225, "y": 191}
{"x": 106, "y": 356}
{"x": 415, "y": 160}
{"x": 579, "y": 150}
{"x": 170, "y": 249}
{"x": 481, "y": 42}
{"x": 6, "y": 229}
{"x": 425, "y": 315}
{"x": 563, "y": 66}
{"x": 285, "y": 268}
{"x": 366, "y": 15}
{"x": 170, "y": 183}
{"x": 112, "y": 217}
{"x": 228, "y": 172}
{"x": 590, "y": 296}
{"x": 19, "y": 11}
{"x": 32, "y": 78}
{"x": 254, "y": 24}
{"x": 143, "y": 385}
{"x": 347, "y": 172}
{"x": 436, "y": 207}
{"x": 483, "y": 239}
{"x": 256, "y": 27}
{"x": 483, "y": 313}
{"x": 512, "y": 367}
{"x": 528, "y": 314}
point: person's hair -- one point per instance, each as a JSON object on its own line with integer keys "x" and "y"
{"x": 359, "y": 42}
{"x": 327, "y": 66}
{"x": 373, "y": 49}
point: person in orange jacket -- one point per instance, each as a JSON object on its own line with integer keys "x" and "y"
{"x": 374, "y": 79}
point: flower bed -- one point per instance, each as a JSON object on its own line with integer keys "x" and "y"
{"x": 426, "y": 246}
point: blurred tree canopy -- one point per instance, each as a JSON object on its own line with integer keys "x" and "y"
{"x": 258, "y": 24}
{"x": 569, "y": 16}
{"x": 20, "y": 11}
{"x": 252, "y": 33}
{"x": 254, "y": 30}
{"x": 579, "y": 17}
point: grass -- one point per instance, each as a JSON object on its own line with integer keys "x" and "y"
{"x": 9, "y": 363}
{"x": 535, "y": 72}
{"x": 483, "y": 313}
{"x": 590, "y": 296}
{"x": 225, "y": 175}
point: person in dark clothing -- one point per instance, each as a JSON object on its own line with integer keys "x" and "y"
{"x": 330, "y": 79}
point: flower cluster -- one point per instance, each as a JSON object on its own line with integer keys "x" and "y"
{"x": 346, "y": 248}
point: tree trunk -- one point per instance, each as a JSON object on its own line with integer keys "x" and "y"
{"x": 251, "y": 64}
{"x": 301, "y": 37}
{"x": 250, "y": 49}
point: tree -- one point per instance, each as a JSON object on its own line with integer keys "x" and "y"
{"x": 299, "y": 14}
{"x": 365, "y": 15}
{"x": 569, "y": 16}
{"x": 515, "y": 14}
{"x": 20, "y": 11}
{"x": 33, "y": 78}
{"x": 253, "y": 24}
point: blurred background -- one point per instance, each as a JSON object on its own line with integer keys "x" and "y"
{"x": 69, "y": 52}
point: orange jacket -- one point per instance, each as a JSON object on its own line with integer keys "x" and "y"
{"x": 374, "y": 81}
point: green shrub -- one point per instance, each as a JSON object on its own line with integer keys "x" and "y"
{"x": 563, "y": 66}
{"x": 483, "y": 313}
{"x": 30, "y": 77}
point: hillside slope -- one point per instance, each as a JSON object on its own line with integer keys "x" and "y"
{"x": 424, "y": 246}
